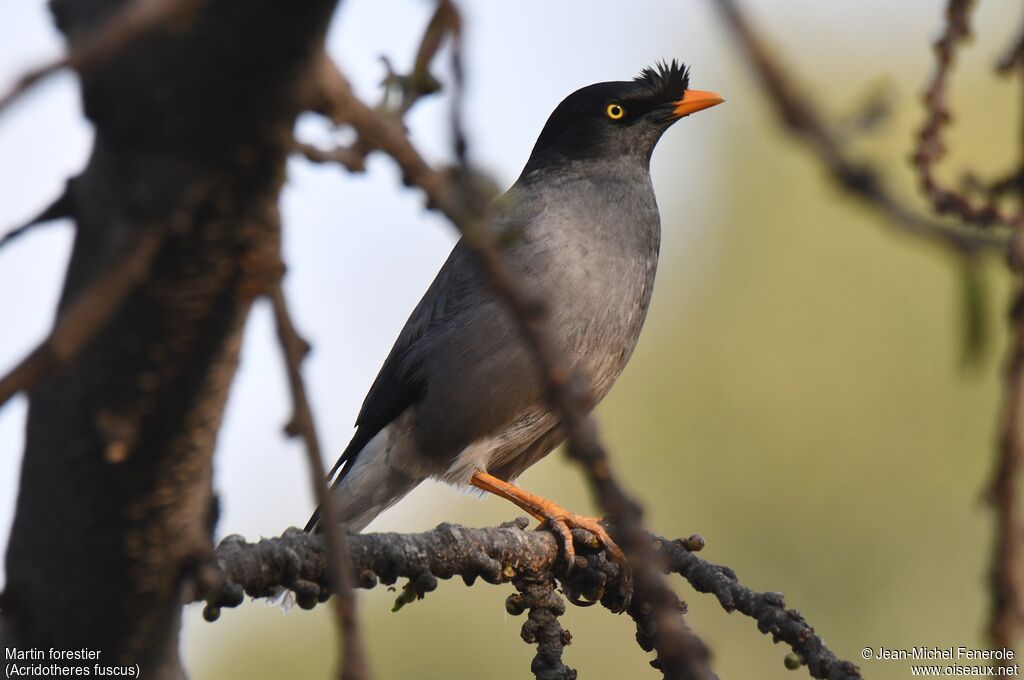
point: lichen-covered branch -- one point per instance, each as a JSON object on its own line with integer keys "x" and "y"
{"x": 768, "y": 609}
{"x": 531, "y": 561}
{"x": 1007, "y": 582}
{"x": 536, "y": 595}
{"x": 1013, "y": 58}
{"x": 60, "y": 208}
{"x": 401, "y": 92}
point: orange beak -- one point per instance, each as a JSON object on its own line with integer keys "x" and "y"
{"x": 695, "y": 100}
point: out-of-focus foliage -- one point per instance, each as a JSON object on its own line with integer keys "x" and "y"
{"x": 798, "y": 397}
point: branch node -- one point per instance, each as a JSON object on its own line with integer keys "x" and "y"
{"x": 537, "y": 595}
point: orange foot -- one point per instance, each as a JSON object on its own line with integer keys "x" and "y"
{"x": 558, "y": 519}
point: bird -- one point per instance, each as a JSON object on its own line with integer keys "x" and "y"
{"x": 461, "y": 398}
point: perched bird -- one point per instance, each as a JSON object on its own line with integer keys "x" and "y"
{"x": 461, "y": 398}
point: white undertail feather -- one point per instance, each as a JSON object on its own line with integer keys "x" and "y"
{"x": 285, "y": 599}
{"x": 373, "y": 485}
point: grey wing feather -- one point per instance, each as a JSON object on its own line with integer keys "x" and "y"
{"x": 456, "y": 289}
{"x": 399, "y": 384}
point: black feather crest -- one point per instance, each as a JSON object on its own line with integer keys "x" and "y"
{"x": 667, "y": 81}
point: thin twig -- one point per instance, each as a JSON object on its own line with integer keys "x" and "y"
{"x": 59, "y": 209}
{"x": 1014, "y": 55}
{"x": 1007, "y": 588}
{"x": 352, "y": 158}
{"x": 798, "y": 114}
{"x": 354, "y": 663}
{"x": 129, "y": 23}
{"x": 87, "y": 314}
{"x": 768, "y": 609}
{"x": 419, "y": 83}
{"x": 930, "y": 146}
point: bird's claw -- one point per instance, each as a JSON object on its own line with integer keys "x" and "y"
{"x": 562, "y": 524}
{"x": 560, "y": 527}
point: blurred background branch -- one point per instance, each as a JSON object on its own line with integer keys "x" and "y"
{"x": 680, "y": 654}
{"x": 930, "y": 145}
{"x": 354, "y": 664}
{"x": 797, "y": 114}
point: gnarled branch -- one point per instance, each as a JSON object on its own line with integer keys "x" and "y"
{"x": 530, "y": 560}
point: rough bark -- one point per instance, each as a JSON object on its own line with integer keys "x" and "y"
{"x": 533, "y": 563}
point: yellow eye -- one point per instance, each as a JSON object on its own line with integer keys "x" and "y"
{"x": 615, "y": 111}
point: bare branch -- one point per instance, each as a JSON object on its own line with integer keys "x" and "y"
{"x": 352, "y": 158}
{"x": 528, "y": 559}
{"x": 421, "y": 82}
{"x": 1007, "y": 589}
{"x": 930, "y": 146}
{"x": 798, "y": 114}
{"x": 768, "y": 609}
{"x": 354, "y": 664}
{"x": 59, "y": 209}
{"x": 1014, "y": 55}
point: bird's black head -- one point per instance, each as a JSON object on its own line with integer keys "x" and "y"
{"x": 621, "y": 119}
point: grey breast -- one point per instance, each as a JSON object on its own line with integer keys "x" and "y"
{"x": 588, "y": 244}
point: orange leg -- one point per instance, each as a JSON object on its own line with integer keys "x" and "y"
{"x": 555, "y": 516}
